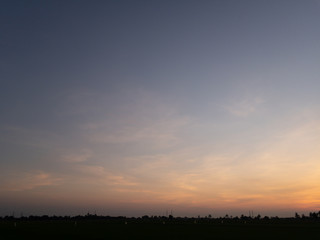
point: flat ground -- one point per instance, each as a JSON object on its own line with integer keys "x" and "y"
{"x": 100, "y": 229}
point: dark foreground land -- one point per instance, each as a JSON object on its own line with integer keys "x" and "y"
{"x": 161, "y": 228}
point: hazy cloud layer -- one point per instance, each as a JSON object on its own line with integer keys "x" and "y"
{"x": 133, "y": 109}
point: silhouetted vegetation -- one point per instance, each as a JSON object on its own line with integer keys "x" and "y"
{"x": 170, "y": 219}
{"x": 92, "y": 226}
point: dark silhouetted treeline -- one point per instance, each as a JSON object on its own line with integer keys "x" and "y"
{"x": 312, "y": 217}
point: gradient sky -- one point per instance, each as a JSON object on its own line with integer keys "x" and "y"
{"x": 139, "y": 107}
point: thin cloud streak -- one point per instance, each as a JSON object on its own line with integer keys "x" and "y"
{"x": 30, "y": 181}
{"x": 244, "y": 107}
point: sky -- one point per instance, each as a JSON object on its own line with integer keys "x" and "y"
{"x": 142, "y": 107}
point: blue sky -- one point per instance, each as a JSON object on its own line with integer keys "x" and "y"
{"x": 135, "y": 107}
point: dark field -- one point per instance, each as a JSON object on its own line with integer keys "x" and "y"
{"x": 104, "y": 229}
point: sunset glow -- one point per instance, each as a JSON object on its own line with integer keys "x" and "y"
{"x": 142, "y": 107}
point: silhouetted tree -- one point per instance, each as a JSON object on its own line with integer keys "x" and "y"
{"x": 313, "y": 215}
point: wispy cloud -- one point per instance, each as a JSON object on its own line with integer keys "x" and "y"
{"x": 158, "y": 132}
{"x": 137, "y": 116}
{"x": 29, "y": 181}
{"x": 99, "y": 175}
{"x": 244, "y": 107}
{"x": 28, "y": 136}
{"x": 82, "y": 155}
